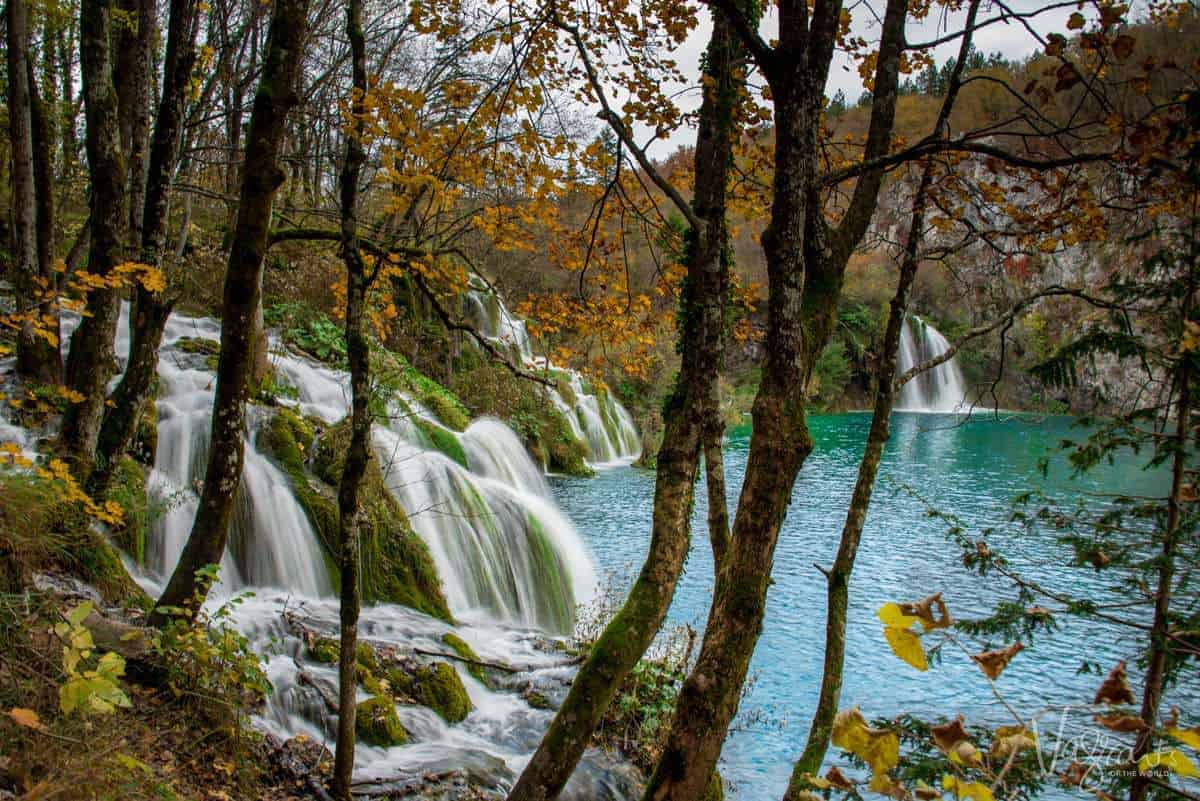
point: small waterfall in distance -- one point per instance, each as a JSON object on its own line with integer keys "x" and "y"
{"x": 596, "y": 418}
{"x": 941, "y": 389}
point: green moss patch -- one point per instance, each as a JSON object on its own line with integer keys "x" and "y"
{"x": 377, "y": 723}
{"x": 128, "y": 489}
{"x": 442, "y": 440}
{"x": 436, "y": 686}
{"x": 463, "y": 649}
{"x": 394, "y": 374}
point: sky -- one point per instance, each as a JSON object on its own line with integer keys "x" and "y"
{"x": 1010, "y": 39}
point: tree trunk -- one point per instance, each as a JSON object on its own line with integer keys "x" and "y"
{"x": 261, "y": 178}
{"x": 37, "y": 357}
{"x": 805, "y": 266}
{"x": 714, "y": 481}
{"x": 1160, "y": 647}
{"x": 358, "y": 354}
{"x": 688, "y": 413}
{"x": 150, "y": 310}
{"x": 90, "y": 362}
{"x": 134, "y": 62}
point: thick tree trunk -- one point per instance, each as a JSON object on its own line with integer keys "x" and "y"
{"x": 261, "y": 179}
{"x": 90, "y": 362}
{"x": 358, "y": 354}
{"x": 688, "y": 413}
{"x": 805, "y": 266}
{"x": 150, "y": 310}
{"x": 37, "y": 357}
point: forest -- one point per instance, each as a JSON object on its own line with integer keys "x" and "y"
{"x": 600, "y": 400}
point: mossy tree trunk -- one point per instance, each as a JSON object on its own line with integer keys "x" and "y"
{"x": 689, "y": 413}
{"x": 90, "y": 362}
{"x": 358, "y": 354}
{"x": 806, "y": 260}
{"x": 37, "y": 358}
{"x": 150, "y": 310}
{"x": 261, "y": 178}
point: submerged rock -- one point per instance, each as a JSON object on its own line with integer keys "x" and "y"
{"x": 377, "y": 723}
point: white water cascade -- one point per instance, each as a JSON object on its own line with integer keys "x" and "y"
{"x": 596, "y": 418}
{"x": 940, "y": 389}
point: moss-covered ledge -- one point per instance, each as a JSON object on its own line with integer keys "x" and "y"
{"x": 396, "y": 564}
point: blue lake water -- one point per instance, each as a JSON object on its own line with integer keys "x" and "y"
{"x": 972, "y": 469}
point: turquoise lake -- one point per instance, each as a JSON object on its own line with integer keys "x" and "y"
{"x": 972, "y": 469}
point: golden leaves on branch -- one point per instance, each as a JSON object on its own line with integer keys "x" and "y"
{"x": 898, "y": 620}
{"x": 879, "y": 748}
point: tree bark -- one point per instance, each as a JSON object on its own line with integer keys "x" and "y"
{"x": 37, "y": 357}
{"x": 1160, "y": 627}
{"x": 90, "y": 362}
{"x": 261, "y": 178}
{"x": 714, "y": 481}
{"x": 134, "y": 78}
{"x": 358, "y": 354}
{"x": 805, "y": 266}
{"x": 150, "y": 310}
{"x": 689, "y": 411}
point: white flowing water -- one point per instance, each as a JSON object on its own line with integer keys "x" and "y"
{"x": 940, "y": 389}
{"x": 596, "y": 418}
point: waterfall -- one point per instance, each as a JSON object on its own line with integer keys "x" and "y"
{"x": 941, "y": 389}
{"x": 595, "y": 418}
{"x": 503, "y": 550}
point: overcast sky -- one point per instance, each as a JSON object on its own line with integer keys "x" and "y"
{"x": 1011, "y": 39}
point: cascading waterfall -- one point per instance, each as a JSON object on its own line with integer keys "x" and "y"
{"x": 502, "y": 548}
{"x": 940, "y": 389}
{"x": 595, "y": 418}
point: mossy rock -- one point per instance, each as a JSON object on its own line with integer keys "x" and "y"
{"x": 463, "y": 649}
{"x": 537, "y": 700}
{"x": 145, "y": 438}
{"x": 396, "y": 564}
{"x": 198, "y": 345}
{"x": 325, "y": 650}
{"x": 128, "y": 490}
{"x": 447, "y": 409}
{"x": 377, "y": 723}
{"x": 436, "y": 686}
{"x": 39, "y": 532}
{"x": 443, "y": 440}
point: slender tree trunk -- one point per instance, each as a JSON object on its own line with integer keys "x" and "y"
{"x": 806, "y": 263}
{"x": 261, "y": 179}
{"x": 37, "y": 357}
{"x": 43, "y": 180}
{"x": 838, "y": 577}
{"x": 358, "y": 354}
{"x": 91, "y": 362}
{"x": 688, "y": 413}
{"x": 1160, "y": 648}
{"x": 65, "y": 43}
{"x": 150, "y": 310}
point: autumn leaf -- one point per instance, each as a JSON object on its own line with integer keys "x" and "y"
{"x": 1189, "y": 737}
{"x": 926, "y": 793}
{"x": 891, "y": 615}
{"x": 1118, "y": 722}
{"x": 906, "y": 645}
{"x": 27, "y": 718}
{"x": 1013, "y": 738}
{"x": 993, "y": 663}
{"x": 1172, "y": 759}
{"x": 835, "y": 778}
{"x": 948, "y": 735}
{"x": 925, "y": 609}
{"x": 1115, "y": 688}
{"x": 965, "y": 789}
{"x": 1075, "y": 22}
{"x": 879, "y": 748}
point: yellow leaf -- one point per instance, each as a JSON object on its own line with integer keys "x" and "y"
{"x": 891, "y": 615}
{"x": 1186, "y": 736}
{"x": 26, "y": 717}
{"x": 1172, "y": 759}
{"x": 964, "y": 789}
{"x": 879, "y": 748}
{"x": 906, "y": 645}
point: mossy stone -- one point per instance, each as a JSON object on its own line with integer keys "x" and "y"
{"x": 377, "y": 723}
{"x": 463, "y": 649}
{"x": 436, "y": 686}
{"x": 325, "y": 649}
{"x": 444, "y": 441}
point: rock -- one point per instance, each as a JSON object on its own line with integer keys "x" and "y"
{"x": 436, "y": 686}
{"x": 378, "y": 724}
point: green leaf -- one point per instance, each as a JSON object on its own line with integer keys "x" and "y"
{"x": 79, "y": 614}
